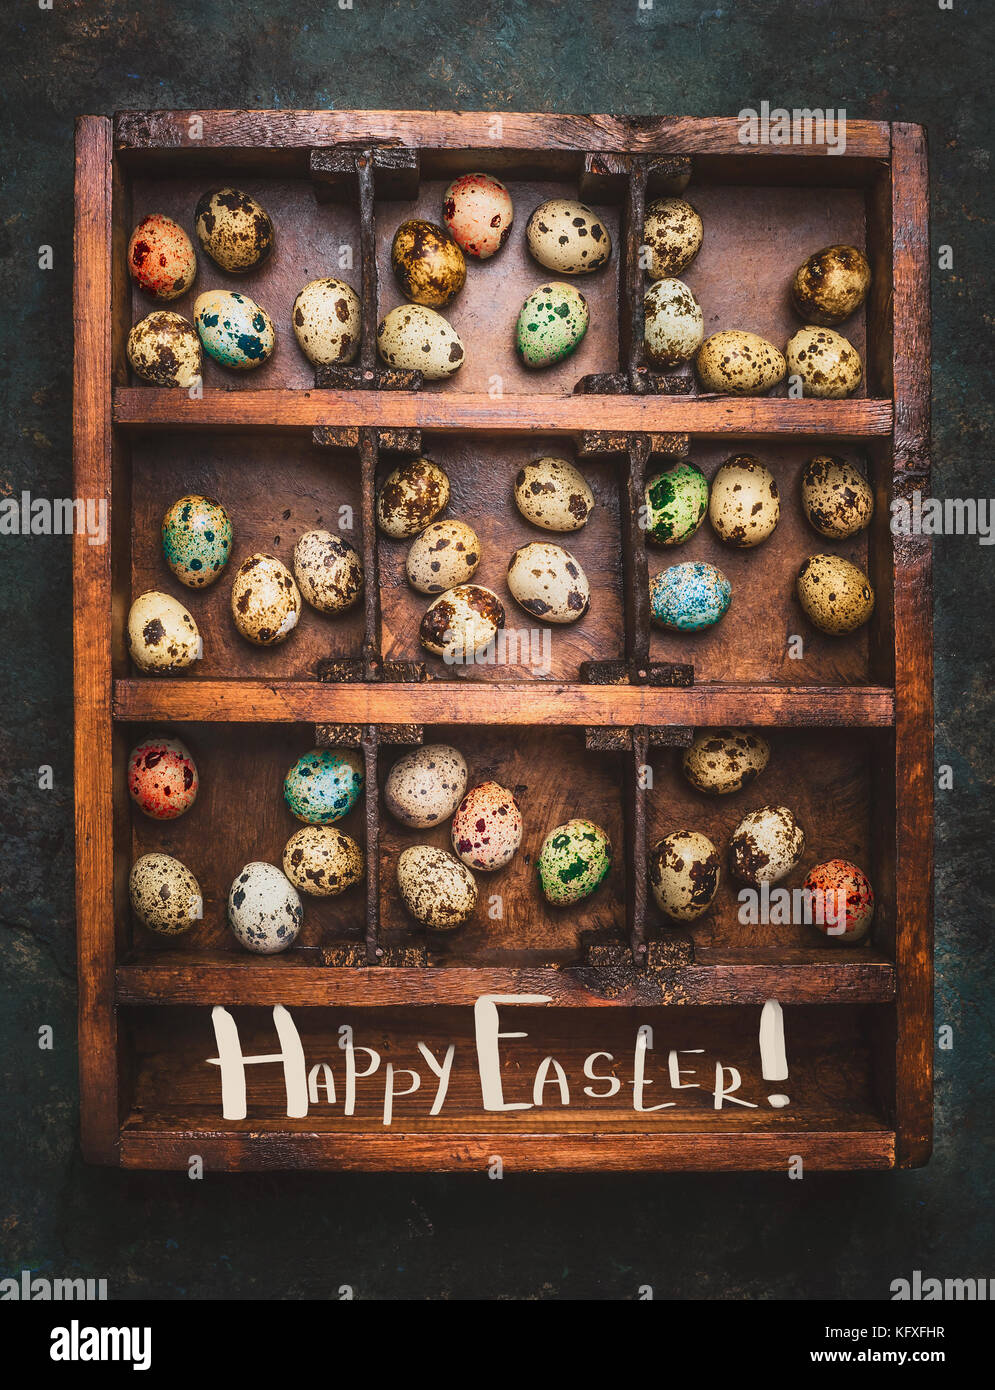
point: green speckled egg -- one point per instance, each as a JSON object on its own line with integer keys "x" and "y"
{"x": 196, "y": 540}
{"x": 324, "y": 785}
{"x": 676, "y": 503}
{"x": 551, "y": 324}
{"x": 233, "y": 329}
{"x": 574, "y": 859}
{"x": 689, "y": 597}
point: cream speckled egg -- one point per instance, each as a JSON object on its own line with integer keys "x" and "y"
{"x": 566, "y": 236}
{"x": 328, "y": 570}
{"x": 744, "y": 505}
{"x": 234, "y": 330}
{"x": 549, "y": 583}
{"x": 831, "y": 285}
{"x": 461, "y": 622}
{"x": 425, "y": 786}
{"x": 837, "y": 498}
{"x": 429, "y": 266}
{"x": 162, "y": 636}
{"x": 478, "y": 212}
{"x": 412, "y": 496}
{"x": 265, "y": 911}
{"x": 735, "y": 363}
{"x": 672, "y": 234}
{"x": 419, "y": 339}
{"x": 164, "y": 894}
{"x": 164, "y": 350}
{"x": 327, "y": 321}
{"x": 722, "y": 761}
{"x": 829, "y": 366}
{"x": 323, "y": 861}
{"x": 553, "y": 494}
{"x": 265, "y": 601}
{"x": 445, "y": 555}
{"x": 487, "y": 827}
{"x": 437, "y": 889}
{"x": 161, "y": 259}
{"x": 234, "y": 229}
{"x": 674, "y": 325}
{"x": 836, "y": 596}
{"x": 766, "y": 845}
{"x": 684, "y": 872}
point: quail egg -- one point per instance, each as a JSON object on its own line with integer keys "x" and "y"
{"x": 328, "y": 570}
{"x": 827, "y": 365}
{"x": 322, "y": 861}
{"x": 196, "y": 540}
{"x": 689, "y": 597}
{"x": 837, "y": 498}
{"x": 264, "y": 909}
{"x": 675, "y": 504}
{"x": 549, "y": 583}
{"x": 233, "y": 329}
{"x": 843, "y": 898}
{"x": 766, "y": 845}
{"x": 567, "y": 237}
{"x": 836, "y": 596}
{"x": 324, "y": 785}
{"x": 551, "y": 324}
{"x": 445, "y": 555}
{"x": 574, "y": 859}
{"x": 164, "y": 894}
{"x": 553, "y": 494}
{"x": 437, "y": 889}
{"x": 425, "y": 786}
{"x": 327, "y": 322}
{"x": 672, "y": 236}
{"x": 478, "y": 213}
{"x": 684, "y": 872}
{"x": 674, "y": 324}
{"x": 487, "y": 827}
{"x": 412, "y": 496}
{"x": 234, "y": 229}
{"x": 831, "y": 285}
{"x": 734, "y": 363}
{"x": 161, "y": 260}
{"x": 164, "y": 350}
{"x": 429, "y": 266}
{"x": 722, "y": 761}
{"x": 162, "y": 636}
{"x": 744, "y": 506}
{"x": 418, "y": 339}
{"x": 162, "y": 777}
{"x": 461, "y": 623}
{"x": 265, "y": 601}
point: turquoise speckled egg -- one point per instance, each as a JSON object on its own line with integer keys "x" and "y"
{"x": 196, "y": 540}
{"x": 689, "y": 597}
{"x": 324, "y": 785}
{"x": 233, "y": 329}
{"x": 574, "y": 859}
{"x": 676, "y": 503}
{"x": 551, "y": 324}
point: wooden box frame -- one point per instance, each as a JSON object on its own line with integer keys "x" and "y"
{"x": 623, "y": 411}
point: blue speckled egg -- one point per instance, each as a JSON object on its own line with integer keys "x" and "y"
{"x": 196, "y": 540}
{"x": 324, "y": 785}
{"x": 689, "y": 597}
{"x": 233, "y": 329}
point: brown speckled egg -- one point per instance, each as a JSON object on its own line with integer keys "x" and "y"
{"x": 837, "y": 498}
{"x": 766, "y": 845}
{"x": 549, "y": 583}
{"x": 164, "y": 350}
{"x": 674, "y": 325}
{"x": 234, "y": 229}
{"x": 461, "y": 622}
{"x": 328, "y": 570}
{"x": 672, "y": 236}
{"x": 722, "y": 761}
{"x": 162, "y": 636}
{"x": 831, "y": 285}
{"x": 566, "y": 236}
{"x": 553, "y": 494}
{"x": 418, "y": 339}
{"x": 164, "y": 894}
{"x": 412, "y": 496}
{"x": 327, "y": 322}
{"x": 829, "y": 366}
{"x": 161, "y": 259}
{"x": 265, "y": 601}
{"x": 684, "y": 872}
{"x": 445, "y": 555}
{"x": 836, "y": 596}
{"x": 478, "y": 213}
{"x": 487, "y": 827}
{"x": 425, "y": 786}
{"x": 429, "y": 266}
{"x": 437, "y": 889}
{"x": 842, "y": 896}
{"x": 323, "y": 861}
{"x": 735, "y": 363}
{"x": 743, "y": 505}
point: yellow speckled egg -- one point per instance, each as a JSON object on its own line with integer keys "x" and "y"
{"x": 429, "y": 266}
{"x": 836, "y": 596}
{"x": 265, "y": 601}
{"x": 566, "y": 236}
{"x": 327, "y": 322}
{"x": 234, "y": 229}
{"x": 684, "y": 872}
{"x": 437, "y": 889}
{"x": 735, "y": 363}
{"x": 837, "y": 498}
{"x": 412, "y": 496}
{"x": 164, "y": 350}
{"x": 674, "y": 326}
{"x": 328, "y": 570}
{"x": 446, "y": 554}
{"x": 829, "y": 366}
{"x": 549, "y": 583}
{"x": 162, "y": 636}
{"x": 672, "y": 236}
{"x": 418, "y": 339}
{"x": 722, "y": 761}
{"x": 164, "y": 894}
{"x": 553, "y": 494}
{"x": 161, "y": 259}
{"x": 461, "y": 622}
{"x": 323, "y": 861}
{"x": 425, "y": 786}
{"x": 766, "y": 845}
{"x": 743, "y": 504}
{"x": 831, "y": 285}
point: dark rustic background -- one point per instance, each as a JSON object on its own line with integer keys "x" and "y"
{"x": 459, "y": 1237}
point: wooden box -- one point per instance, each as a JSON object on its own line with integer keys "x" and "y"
{"x": 850, "y": 725}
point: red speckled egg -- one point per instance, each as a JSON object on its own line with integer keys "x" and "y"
{"x": 479, "y": 213}
{"x": 162, "y": 777}
{"x": 487, "y": 827}
{"x": 161, "y": 257}
{"x": 845, "y": 898}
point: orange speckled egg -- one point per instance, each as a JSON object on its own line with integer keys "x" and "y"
{"x": 161, "y": 257}
{"x": 487, "y": 827}
{"x": 162, "y": 777}
{"x": 478, "y": 212}
{"x": 843, "y": 898}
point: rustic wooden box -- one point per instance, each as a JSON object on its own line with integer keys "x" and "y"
{"x": 851, "y": 726}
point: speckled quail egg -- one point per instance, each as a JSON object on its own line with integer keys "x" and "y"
{"x": 265, "y": 911}
{"x": 574, "y": 859}
{"x": 234, "y": 229}
{"x": 766, "y": 845}
{"x": 831, "y": 285}
{"x": 418, "y": 339}
{"x": 675, "y": 503}
{"x": 734, "y": 363}
{"x": 164, "y": 894}
{"x": 553, "y": 494}
{"x": 324, "y": 785}
{"x": 744, "y": 506}
{"x": 162, "y": 777}
{"x": 827, "y": 364}
{"x": 265, "y": 601}
{"x": 837, "y": 498}
{"x": 425, "y": 786}
{"x": 234, "y": 329}
{"x": 196, "y": 540}
{"x": 551, "y": 324}
{"x": 162, "y": 636}
{"x": 843, "y": 898}
{"x": 328, "y": 570}
{"x": 437, "y": 889}
{"x": 478, "y": 213}
{"x": 722, "y": 761}
{"x": 327, "y": 321}
{"x": 566, "y": 236}
{"x": 487, "y": 827}
{"x": 689, "y": 597}
{"x": 412, "y": 496}
{"x": 461, "y": 623}
{"x": 323, "y": 861}
{"x": 549, "y": 583}
{"x": 445, "y": 555}
{"x": 161, "y": 259}
{"x": 430, "y": 268}
{"x": 836, "y": 596}
{"x": 684, "y": 873}
{"x": 672, "y": 236}
{"x": 674, "y": 324}
{"x": 164, "y": 350}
